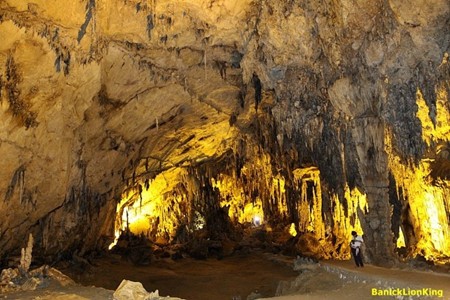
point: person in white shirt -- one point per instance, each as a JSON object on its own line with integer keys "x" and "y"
{"x": 356, "y": 245}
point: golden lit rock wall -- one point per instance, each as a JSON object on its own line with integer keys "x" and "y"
{"x": 91, "y": 91}
{"x": 422, "y": 186}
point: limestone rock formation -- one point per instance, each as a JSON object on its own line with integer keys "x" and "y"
{"x": 134, "y": 290}
{"x": 26, "y": 256}
{"x": 160, "y": 116}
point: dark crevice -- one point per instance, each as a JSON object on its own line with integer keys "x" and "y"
{"x": 90, "y": 6}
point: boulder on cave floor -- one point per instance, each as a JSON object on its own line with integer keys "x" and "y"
{"x": 12, "y": 280}
{"x": 135, "y": 290}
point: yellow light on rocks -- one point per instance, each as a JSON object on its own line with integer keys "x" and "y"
{"x": 308, "y": 179}
{"x": 252, "y": 213}
{"x": 148, "y": 212}
{"x": 428, "y": 200}
{"x": 427, "y": 203}
{"x": 292, "y": 230}
{"x": 401, "y": 239}
{"x": 441, "y": 130}
{"x": 433, "y": 213}
{"x": 116, "y": 238}
{"x": 346, "y": 217}
{"x": 257, "y": 220}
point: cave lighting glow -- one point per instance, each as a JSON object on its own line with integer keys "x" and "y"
{"x": 401, "y": 239}
{"x": 148, "y": 212}
{"x": 428, "y": 199}
{"x": 426, "y": 210}
{"x": 440, "y": 130}
{"x": 347, "y": 220}
{"x": 257, "y": 220}
{"x": 308, "y": 179}
{"x": 292, "y": 230}
{"x": 157, "y": 212}
{"x": 242, "y": 208}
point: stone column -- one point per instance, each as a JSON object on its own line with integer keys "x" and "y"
{"x": 368, "y": 134}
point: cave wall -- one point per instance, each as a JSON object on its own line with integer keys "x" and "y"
{"x": 365, "y": 92}
{"x": 307, "y": 113}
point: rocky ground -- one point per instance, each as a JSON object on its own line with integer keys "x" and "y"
{"x": 243, "y": 276}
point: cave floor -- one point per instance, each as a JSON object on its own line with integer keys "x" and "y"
{"x": 237, "y": 275}
{"x": 403, "y": 276}
{"x": 240, "y": 275}
{"x": 359, "y": 283}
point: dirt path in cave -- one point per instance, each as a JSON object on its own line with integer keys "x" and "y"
{"x": 408, "y": 276}
{"x": 239, "y": 275}
{"x": 357, "y": 283}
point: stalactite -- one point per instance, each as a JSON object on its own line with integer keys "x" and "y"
{"x": 90, "y": 6}
{"x": 424, "y": 211}
{"x": 150, "y": 25}
{"x": 1, "y": 88}
{"x": 22, "y": 186}
{"x": 18, "y": 106}
{"x": 17, "y": 179}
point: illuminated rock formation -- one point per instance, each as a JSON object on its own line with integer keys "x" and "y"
{"x": 163, "y": 117}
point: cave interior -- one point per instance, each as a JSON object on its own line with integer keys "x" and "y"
{"x": 202, "y": 127}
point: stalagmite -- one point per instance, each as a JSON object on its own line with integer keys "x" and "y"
{"x": 26, "y": 256}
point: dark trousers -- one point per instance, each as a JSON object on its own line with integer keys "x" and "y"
{"x": 357, "y": 257}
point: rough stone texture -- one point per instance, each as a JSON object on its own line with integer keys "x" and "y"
{"x": 134, "y": 290}
{"x": 100, "y": 97}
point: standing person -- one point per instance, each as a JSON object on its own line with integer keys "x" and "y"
{"x": 356, "y": 245}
